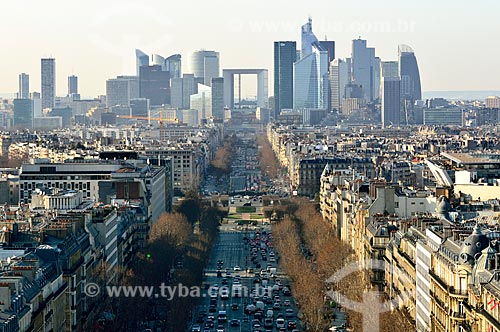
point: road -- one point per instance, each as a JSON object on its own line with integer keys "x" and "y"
{"x": 233, "y": 250}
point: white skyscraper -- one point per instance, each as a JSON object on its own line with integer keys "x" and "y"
{"x": 202, "y": 102}
{"x": 37, "y": 104}
{"x": 205, "y": 64}
{"x": 307, "y": 38}
{"x": 159, "y": 60}
{"x": 141, "y": 59}
{"x": 339, "y": 78}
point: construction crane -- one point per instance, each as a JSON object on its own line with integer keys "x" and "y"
{"x": 161, "y": 120}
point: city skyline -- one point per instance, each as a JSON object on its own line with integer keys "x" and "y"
{"x": 105, "y": 44}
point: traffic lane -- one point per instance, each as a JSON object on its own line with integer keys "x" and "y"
{"x": 229, "y": 249}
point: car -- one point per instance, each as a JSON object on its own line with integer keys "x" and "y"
{"x": 220, "y": 328}
{"x": 277, "y": 305}
{"x": 268, "y": 323}
{"x": 289, "y": 313}
{"x": 222, "y": 317}
{"x": 237, "y": 268}
{"x": 280, "y": 323}
{"x": 234, "y": 322}
{"x": 235, "y": 306}
{"x": 196, "y": 328}
{"x": 209, "y": 324}
{"x": 291, "y": 325}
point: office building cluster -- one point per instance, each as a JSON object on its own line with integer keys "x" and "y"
{"x": 158, "y": 91}
{"x": 313, "y": 78}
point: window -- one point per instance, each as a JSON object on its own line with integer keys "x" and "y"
{"x": 46, "y": 169}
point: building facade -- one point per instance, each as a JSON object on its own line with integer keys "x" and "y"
{"x": 285, "y": 55}
{"x": 48, "y": 82}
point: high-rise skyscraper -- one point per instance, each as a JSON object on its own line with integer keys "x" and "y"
{"x": 285, "y": 54}
{"x": 120, "y": 90}
{"x": 307, "y": 38}
{"x": 72, "y": 85}
{"x": 411, "y": 89}
{"x": 218, "y": 98}
{"x": 154, "y": 84}
{"x": 202, "y": 102}
{"x": 205, "y": 64}
{"x": 339, "y": 78}
{"x": 390, "y": 86}
{"x": 24, "y": 86}
{"x": 48, "y": 82}
{"x": 160, "y": 61}
{"x": 173, "y": 65}
{"x": 329, "y": 45}
{"x": 311, "y": 88}
{"x": 23, "y": 113}
{"x": 141, "y": 59}
{"x": 365, "y": 69}
{"x": 37, "y": 104}
{"x": 176, "y": 93}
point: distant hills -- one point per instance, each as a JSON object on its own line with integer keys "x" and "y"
{"x": 460, "y": 95}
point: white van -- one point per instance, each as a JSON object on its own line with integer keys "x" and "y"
{"x": 270, "y": 313}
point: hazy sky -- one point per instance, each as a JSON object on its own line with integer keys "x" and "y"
{"x": 456, "y": 42}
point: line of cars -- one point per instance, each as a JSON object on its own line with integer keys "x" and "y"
{"x": 252, "y": 297}
{"x": 272, "y": 309}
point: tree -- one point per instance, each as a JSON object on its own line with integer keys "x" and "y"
{"x": 190, "y": 207}
{"x": 268, "y": 162}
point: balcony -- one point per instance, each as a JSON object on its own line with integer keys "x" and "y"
{"x": 458, "y": 292}
{"x": 439, "y": 281}
{"x": 452, "y": 291}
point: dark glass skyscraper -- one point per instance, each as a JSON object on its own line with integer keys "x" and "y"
{"x": 72, "y": 85}
{"x": 410, "y": 76}
{"x": 285, "y": 54}
{"x": 391, "y": 94}
{"x": 329, "y": 45}
{"x": 23, "y": 113}
{"x": 154, "y": 84}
